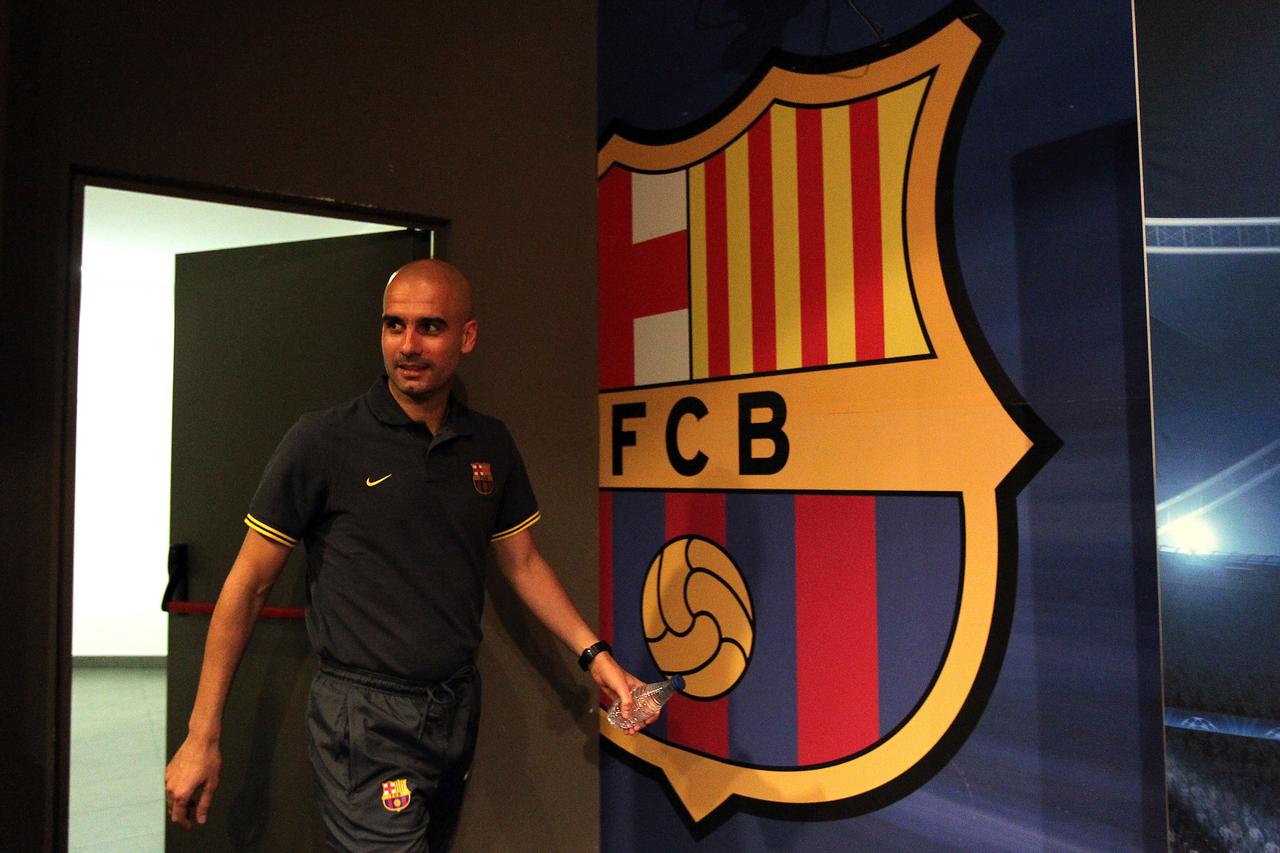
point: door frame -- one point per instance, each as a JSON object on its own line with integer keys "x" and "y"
{"x": 81, "y": 178}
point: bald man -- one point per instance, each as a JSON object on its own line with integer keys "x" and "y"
{"x": 398, "y": 495}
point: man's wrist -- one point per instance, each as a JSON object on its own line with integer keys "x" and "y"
{"x": 204, "y": 733}
{"x": 591, "y": 652}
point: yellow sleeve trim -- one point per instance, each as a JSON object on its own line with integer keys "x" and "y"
{"x": 512, "y": 531}
{"x": 269, "y": 531}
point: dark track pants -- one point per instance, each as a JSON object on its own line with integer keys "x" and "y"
{"x": 391, "y": 757}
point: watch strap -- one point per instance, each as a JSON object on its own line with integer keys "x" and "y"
{"x": 590, "y": 652}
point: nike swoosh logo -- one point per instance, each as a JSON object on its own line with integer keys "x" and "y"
{"x": 369, "y": 481}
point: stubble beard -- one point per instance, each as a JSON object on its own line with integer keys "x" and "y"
{"x": 416, "y": 393}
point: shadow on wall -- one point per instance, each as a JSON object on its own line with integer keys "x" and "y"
{"x": 559, "y": 676}
{"x": 1082, "y": 313}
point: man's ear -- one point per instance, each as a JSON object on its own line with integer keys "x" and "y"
{"x": 470, "y": 332}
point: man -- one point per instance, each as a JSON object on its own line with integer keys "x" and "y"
{"x": 398, "y": 495}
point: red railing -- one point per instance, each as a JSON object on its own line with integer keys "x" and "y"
{"x": 204, "y": 608}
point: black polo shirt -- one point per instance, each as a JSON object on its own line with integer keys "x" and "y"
{"x": 396, "y": 523}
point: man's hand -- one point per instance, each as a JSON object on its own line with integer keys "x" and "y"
{"x": 616, "y": 683}
{"x": 195, "y": 767}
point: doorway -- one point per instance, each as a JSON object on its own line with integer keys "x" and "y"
{"x": 133, "y": 238}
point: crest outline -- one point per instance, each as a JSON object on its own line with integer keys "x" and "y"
{"x": 949, "y": 52}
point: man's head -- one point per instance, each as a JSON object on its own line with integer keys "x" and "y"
{"x": 426, "y": 328}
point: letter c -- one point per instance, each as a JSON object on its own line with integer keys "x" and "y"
{"x": 686, "y": 465}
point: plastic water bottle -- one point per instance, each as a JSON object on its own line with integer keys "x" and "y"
{"x": 649, "y": 699}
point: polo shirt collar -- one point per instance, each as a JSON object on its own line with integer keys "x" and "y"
{"x": 457, "y": 418}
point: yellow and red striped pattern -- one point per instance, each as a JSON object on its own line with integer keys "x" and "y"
{"x": 797, "y": 256}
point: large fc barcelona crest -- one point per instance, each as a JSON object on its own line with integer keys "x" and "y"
{"x": 808, "y": 454}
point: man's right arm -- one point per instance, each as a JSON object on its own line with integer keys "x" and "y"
{"x": 197, "y": 764}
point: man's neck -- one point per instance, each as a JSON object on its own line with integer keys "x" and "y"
{"x": 430, "y": 410}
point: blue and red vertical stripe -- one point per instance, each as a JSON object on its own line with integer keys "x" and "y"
{"x": 853, "y": 608}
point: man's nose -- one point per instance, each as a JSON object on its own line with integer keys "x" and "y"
{"x": 411, "y": 342}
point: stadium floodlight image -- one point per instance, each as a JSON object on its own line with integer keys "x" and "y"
{"x": 1183, "y": 523}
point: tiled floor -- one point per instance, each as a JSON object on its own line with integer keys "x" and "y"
{"x": 117, "y": 759}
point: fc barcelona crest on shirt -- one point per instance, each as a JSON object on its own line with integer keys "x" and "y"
{"x": 482, "y": 477}
{"x": 396, "y": 795}
{"x": 808, "y": 453}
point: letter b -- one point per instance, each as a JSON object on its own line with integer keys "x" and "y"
{"x": 770, "y": 430}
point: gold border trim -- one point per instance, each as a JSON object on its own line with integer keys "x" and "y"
{"x": 512, "y": 531}
{"x": 269, "y": 531}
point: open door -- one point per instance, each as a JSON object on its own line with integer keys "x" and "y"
{"x": 261, "y": 335}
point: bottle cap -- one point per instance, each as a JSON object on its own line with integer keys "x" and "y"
{"x": 677, "y": 681}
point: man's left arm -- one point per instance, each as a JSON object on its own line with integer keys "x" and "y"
{"x": 541, "y": 591}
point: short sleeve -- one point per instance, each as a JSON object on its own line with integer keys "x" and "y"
{"x": 292, "y": 492}
{"x": 518, "y": 509}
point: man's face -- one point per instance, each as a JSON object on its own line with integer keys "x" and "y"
{"x": 425, "y": 332}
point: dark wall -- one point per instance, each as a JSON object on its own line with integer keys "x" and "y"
{"x": 1208, "y": 107}
{"x": 480, "y": 113}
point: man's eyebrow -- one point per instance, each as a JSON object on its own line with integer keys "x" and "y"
{"x": 431, "y": 318}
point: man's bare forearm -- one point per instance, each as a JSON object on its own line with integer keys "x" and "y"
{"x": 243, "y": 595}
{"x": 192, "y": 776}
{"x": 537, "y": 585}
{"x": 229, "y": 631}
{"x": 540, "y": 589}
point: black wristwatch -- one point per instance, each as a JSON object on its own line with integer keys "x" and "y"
{"x": 590, "y": 652}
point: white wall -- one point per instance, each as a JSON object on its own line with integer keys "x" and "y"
{"x": 125, "y": 398}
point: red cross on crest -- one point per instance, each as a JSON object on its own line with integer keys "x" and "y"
{"x": 396, "y": 795}
{"x": 482, "y": 477}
